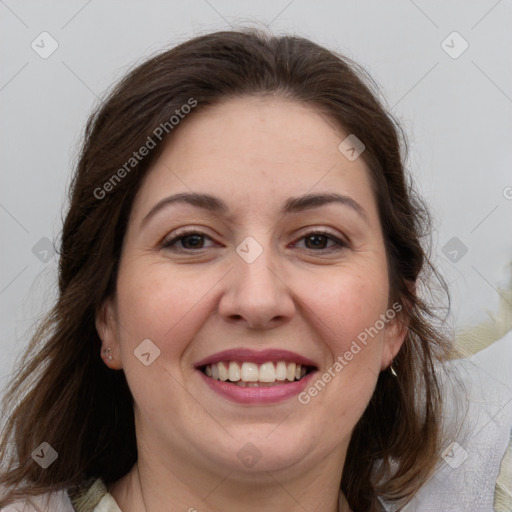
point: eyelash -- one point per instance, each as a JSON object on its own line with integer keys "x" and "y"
{"x": 339, "y": 244}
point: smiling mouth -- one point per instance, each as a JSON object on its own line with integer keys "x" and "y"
{"x": 248, "y": 374}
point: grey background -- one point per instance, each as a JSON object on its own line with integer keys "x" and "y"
{"x": 455, "y": 111}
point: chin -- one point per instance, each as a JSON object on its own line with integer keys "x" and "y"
{"x": 265, "y": 447}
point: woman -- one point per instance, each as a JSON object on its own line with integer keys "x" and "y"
{"x": 238, "y": 321}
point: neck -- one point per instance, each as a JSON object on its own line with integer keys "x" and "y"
{"x": 188, "y": 480}
{"x": 140, "y": 490}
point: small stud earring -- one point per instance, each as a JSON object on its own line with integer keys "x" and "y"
{"x": 108, "y": 353}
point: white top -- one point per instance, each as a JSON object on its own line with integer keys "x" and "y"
{"x": 59, "y": 502}
{"x": 107, "y": 504}
{"x": 466, "y": 480}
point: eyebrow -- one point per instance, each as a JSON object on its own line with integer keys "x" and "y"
{"x": 292, "y": 205}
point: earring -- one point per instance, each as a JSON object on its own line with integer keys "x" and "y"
{"x": 392, "y": 370}
{"x": 108, "y": 353}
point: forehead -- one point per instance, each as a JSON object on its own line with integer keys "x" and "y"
{"x": 255, "y": 151}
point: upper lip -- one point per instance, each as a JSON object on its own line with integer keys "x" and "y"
{"x": 255, "y": 356}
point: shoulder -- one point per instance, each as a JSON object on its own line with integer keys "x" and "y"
{"x": 56, "y": 501}
{"x": 90, "y": 496}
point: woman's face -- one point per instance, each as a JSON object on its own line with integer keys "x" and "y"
{"x": 242, "y": 278}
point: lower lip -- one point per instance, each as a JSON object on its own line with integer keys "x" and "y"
{"x": 262, "y": 395}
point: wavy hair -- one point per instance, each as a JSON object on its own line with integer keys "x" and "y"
{"x": 65, "y": 395}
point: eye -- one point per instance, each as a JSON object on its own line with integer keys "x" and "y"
{"x": 317, "y": 240}
{"x": 193, "y": 240}
{"x": 187, "y": 241}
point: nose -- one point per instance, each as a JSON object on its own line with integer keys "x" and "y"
{"x": 257, "y": 294}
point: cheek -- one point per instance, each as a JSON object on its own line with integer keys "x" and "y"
{"x": 348, "y": 304}
{"x": 345, "y": 308}
{"x": 154, "y": 303}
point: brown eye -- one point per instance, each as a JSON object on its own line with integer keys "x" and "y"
{"x": 189, "y": 241}
{"x": 318, "y": 240}
{"x": 192, "y": 241}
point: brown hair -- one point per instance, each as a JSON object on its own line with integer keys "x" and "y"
{"x": 63, "y": 393}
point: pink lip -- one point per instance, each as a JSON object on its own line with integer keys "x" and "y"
{"x": 254, "y": 356}
{"x": 263, "y": 395}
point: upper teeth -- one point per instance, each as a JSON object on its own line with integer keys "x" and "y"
{"x": 252, "y": 372}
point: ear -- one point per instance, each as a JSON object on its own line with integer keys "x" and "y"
{"x": 106, "y": 326}
{"x": 394, "y": 337}
{"x": 397, "y": 328}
